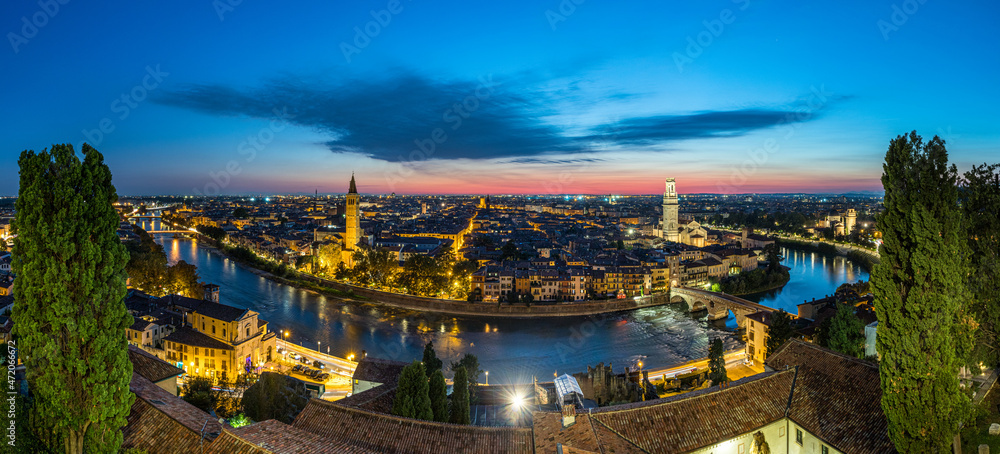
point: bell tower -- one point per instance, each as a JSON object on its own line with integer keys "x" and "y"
{"x": 670, "y": 209}
{"x": 353, "y": 234}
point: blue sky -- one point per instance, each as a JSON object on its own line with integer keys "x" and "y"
{"x": 502, "y": 97}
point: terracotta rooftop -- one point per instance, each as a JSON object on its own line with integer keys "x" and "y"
{"x": 391, "y": 434}
{"x": 378, "y": 399}
{"x": 694, "y": 420}
{"x": 379, "y": 370}
{"x": 187, "y": 336}
{"x": 161, "y": 422}
{"x": 150, "y": 367}
{"x": 276, "y": 437}
{"x": 837, "y": 397}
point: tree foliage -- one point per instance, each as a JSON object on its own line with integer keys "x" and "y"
{"x": 460, "y": 397}
{"x": 980, "y": 198}
{"x": 412, "y": 395}
{"x": 198, "y": 391}
{"x": 148, "y": 271}
{"x": 779, "y": 331}
{"x": 431, "y": 361}
{"x": 924, "y": 332}
{"x": 438, "y": 392}
{"x": 717, "y": 362}
{"x": 70, "y": 316}
{"x": 846, "y": 333}
{"x": 470, "y": 363}
{"x": 275, "y": 396}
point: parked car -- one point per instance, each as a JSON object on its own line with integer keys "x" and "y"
{"x": 298, "y": 368}
{"x": 317, "y": 364}
{"x": 323, "y": 377}
{"x": 293, "y": 355}
{"x": 304, "y": 360}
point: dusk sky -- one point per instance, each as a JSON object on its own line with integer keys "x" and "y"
{"x": 540, "y": 97}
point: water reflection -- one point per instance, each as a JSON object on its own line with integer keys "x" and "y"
{"x": 512, "y": 349}
{"x": 813, "y": 275}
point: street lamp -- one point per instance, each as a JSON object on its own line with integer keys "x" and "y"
{"x": 487, "y": 378}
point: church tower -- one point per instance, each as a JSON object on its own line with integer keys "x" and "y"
{"x": 353, "y": 235}
{"x": 670, "y": 208}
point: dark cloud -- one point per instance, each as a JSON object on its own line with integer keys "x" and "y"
{"x": 388, "y": 117}
{"x": 666, "y": 128}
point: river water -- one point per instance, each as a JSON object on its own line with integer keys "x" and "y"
{"x": 513, "y": 350}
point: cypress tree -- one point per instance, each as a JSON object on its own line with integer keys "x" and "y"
{"x": 412, "y": 399}
{"x": 920, "y": 292}
{"x": 460, "y": 397}
{"x": 431, "y": 361}
{"x": 980, "y": 197}
{"x": 439, "y": 396}
{"x": 779, "y": 331}
{"x": 71, "y": 317}
{"x": 846, "y": 332}
{"x": 717, "y": 362}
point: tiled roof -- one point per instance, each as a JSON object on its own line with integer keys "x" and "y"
{"x": 837, "y": 397}
{"x": 699, "y": 419}
{"x": 379, "y": 370}
{"x": 152, "y": 368}
{"x": 160, "y": 422}
{"x": 221, "y": 311}
{"x": 187, "y": 336}
{"x": 276, "y": 437}
{"x": 378, "y": 399}
{"x": 391, "y": 434}
{"x": 583, "y": 436}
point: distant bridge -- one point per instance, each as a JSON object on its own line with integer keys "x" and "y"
{"x": 718, "y": 305}
{"x": 168, "y": 231}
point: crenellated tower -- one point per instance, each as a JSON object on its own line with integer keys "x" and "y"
{"x": 670, "y": 211}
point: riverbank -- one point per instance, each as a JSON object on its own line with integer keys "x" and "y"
{"x": 362, "y": 295}
{"x": 865, "y": 258}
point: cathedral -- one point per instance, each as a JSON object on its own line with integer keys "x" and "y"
{"x": 674, "y": 229}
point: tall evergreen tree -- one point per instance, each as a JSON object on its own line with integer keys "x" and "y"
{"x": 717, "y": 362}
{"x": 438, "y": 391}
{"x": 412, "y": 399}
{"x": 460, "y": 397}
{"x": 920, "y": 293}
{"x": 470, "y": 363}
{"x": 71, "y": 317}
{"x": 846, "y": 332}
{"x": 431, "y": 361}
{"x": 980, "y": 197}
{"x": 779, "y": 331}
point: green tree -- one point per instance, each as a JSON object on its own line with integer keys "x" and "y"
{"x": 438, "y": 392}
{"x": 470, "y": 363}
{"x": 460, "y": 397}
{"x": 924, "y": 333}
{"x": 431, "y": 361}
{"x": 213, "y": 232}
{"x": 330, "y": 257}
{"x": 70, "y": 316}
{"x": 773, "y": 254}
{"x": 980, "y": 197}
{"x": 509, "y": 251}
{"x": 240, "y": 213}
{"x": 846, "y": 332}
{"x": 182, "y": 279}
{"x": 717, "y": 362}
{"x": 412, "y": 395}
{"x": 779, "y": 331}
{"x": 274, "y": 396}
{"x": 198, "y": 392}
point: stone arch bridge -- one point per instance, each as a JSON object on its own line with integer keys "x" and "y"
{"x": 718, "y": 305}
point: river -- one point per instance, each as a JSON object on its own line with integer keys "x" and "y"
{"x": 513, "y": 350}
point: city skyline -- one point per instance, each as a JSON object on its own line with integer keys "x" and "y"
{"x": 551, "y": 98}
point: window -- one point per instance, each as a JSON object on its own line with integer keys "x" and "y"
{"x": 223, "y": 332}
{"x": 751, "y": 350}
{"x": 196, "y": 364}
{"x": 223, "y": 365}
{"x": 213, "y": 329}
{"x": 196, "y": 350}
{"x": 798, "y": 436}
{"x": 751, "y": 335}
{"x": 824, "y": 450}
